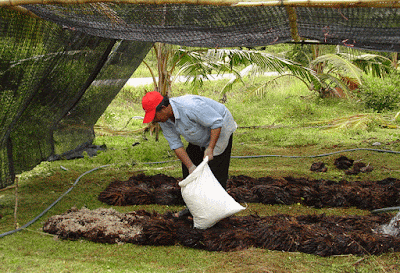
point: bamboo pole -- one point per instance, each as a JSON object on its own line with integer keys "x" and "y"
{"x": 7, "y": 188}
{"x": 324, "y": 3}
{"x": 16, "y": 205}
{"x": 291, "y": 11}
{"x": 293, "y": 3}
{"x": 23, "y": 11}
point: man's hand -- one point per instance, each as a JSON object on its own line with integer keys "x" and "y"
{"x": 183, "y": 156}
{"x": 209, "y": 152}
{"x": 192, "y": 168}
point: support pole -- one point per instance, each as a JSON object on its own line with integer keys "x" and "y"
{"x": 294, "y": 31}
{"x": 16, "y": 204}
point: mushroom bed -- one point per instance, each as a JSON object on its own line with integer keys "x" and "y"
{"x": 314, "y": 234}
{"x": 164, "y": 190}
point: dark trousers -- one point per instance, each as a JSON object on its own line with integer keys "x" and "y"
{"x": 219, "y": 165}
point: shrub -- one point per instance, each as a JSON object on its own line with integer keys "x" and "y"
{"x": 380, "y": 94}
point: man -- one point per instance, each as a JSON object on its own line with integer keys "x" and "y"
{"x": 205, "y": 124}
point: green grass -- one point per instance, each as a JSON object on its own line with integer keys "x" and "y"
{"x": 288, "y": 121}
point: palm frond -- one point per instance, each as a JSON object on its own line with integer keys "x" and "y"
{"x": 377, "y": 65}
{"x": 229, "y": 85}
{"x": 335, "y": 86}
{"x": 196, "y": 65}
{"x": 260, "y": 62}
{"x": 339, "y": 65}
{"x": 260, "y": 90}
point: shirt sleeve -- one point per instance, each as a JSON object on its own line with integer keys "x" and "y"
{"x": 171, "y": 135}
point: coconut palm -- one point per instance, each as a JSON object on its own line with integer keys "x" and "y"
{"x": 329, "y": 74}
{"x": 257, "y": 63}
{"x": 334, "y": 75}
{"x": 342, "y": 72}
{"x": 198, "y": 65}
{"x": 252, "y": 62}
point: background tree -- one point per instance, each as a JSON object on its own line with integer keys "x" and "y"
{"x": 325, "y": 70}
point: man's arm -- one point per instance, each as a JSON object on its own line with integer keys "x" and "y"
{"x": 213, "y": 141}
{"x": 184, "y": 157}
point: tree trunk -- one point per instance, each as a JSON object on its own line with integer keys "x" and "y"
{"x": 394, "y": 59}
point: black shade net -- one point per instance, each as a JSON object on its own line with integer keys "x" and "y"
{"x": 55, "y": 83}
{"x": 189, "y": 25}
{"x": 228, "y": 26}
{"x": 58, "y": 75}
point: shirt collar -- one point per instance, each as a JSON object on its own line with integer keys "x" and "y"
{"x": 174, "y": 109}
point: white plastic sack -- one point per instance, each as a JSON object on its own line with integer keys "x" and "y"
{"x": 206, "y": 199}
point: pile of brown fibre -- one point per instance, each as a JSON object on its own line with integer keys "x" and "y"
{"x": 314, "y": 234}
{"x": 143, "y": 190}
{"x": 164, "y": 190}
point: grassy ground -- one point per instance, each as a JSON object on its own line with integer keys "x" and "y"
{"x": 286, "y": 127}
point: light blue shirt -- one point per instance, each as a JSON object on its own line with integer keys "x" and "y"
{"x": 195, "y": 116}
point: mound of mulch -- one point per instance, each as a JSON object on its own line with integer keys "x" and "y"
{"x": 314, "y": 234}
{"x": 143, "y": 190}
{"x": 164, "y": 190}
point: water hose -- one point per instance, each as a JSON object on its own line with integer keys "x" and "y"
{"x": 293, "y": 156}
{"x": 52, "y": 205}
{"x": 386, "y": 209}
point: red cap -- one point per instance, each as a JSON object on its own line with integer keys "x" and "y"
{"x": 149, "y": 103}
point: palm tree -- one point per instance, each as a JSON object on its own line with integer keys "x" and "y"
{"x": 342, "y": 72}
{"x": 254, "y": 62}
{"x": 198, "y": 65}
{"x": 334, "y": 75}
{"x": 338, "y": 75}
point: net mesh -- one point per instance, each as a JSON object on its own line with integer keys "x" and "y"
{"x": 58, "y": 75}
{"x": 55, "y": 84}
{"x": 228, "y": 26}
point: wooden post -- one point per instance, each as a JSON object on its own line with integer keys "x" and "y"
{"x": 16, "y": 204}
{"x": 394, "y": 59}
{"x": 293, "y": 24}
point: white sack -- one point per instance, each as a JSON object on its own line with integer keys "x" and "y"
{"x": 206, "y": 199}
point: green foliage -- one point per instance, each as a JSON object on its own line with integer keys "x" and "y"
{"x": 132, "y": 150}
{"x": 132, "y": 95}
{"x": 381, "y": 94}
{"x": 301, "y": 54}
{"x": 374, "y": 64}
{"x": 336, "y": 72}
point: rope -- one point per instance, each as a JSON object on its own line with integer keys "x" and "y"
{"x": 52, "y": 205}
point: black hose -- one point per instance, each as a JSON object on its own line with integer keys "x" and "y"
{"x": 293, "y": 156}
{"x": 385, "y": 209}
{"x": 52, "y": 205}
